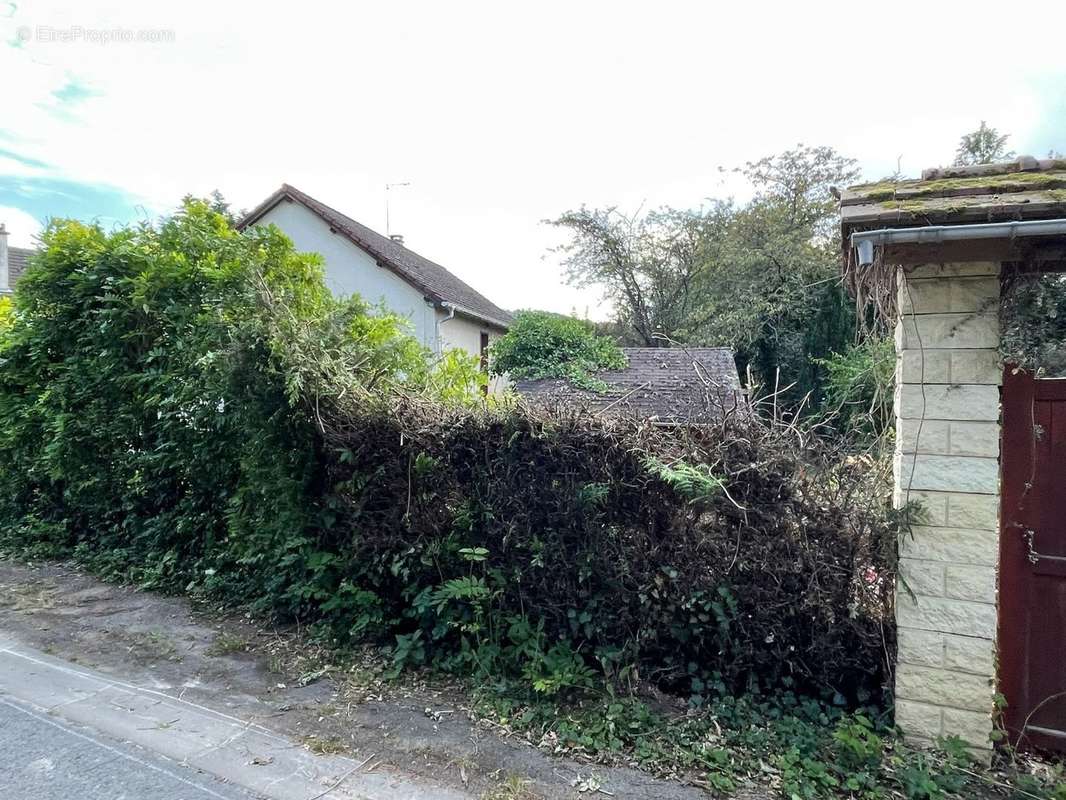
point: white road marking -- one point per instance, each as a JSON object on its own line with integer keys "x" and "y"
{"x": 113, "y": 750}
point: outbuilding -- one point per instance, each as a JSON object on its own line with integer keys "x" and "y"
{"x": 981, "y": 605}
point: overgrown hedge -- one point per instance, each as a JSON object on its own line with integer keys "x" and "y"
{"x": 719, "y": 558}
{"x": 185, "y": 408}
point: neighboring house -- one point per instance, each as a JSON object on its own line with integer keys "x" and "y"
{"x": 665, "y": 385}
{"x": 444, "y": 311}
{"x": 13, "y": 261}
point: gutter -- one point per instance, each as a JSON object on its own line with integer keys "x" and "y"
{"x": 865, "y": 241}
{"x": 475, "y": 315}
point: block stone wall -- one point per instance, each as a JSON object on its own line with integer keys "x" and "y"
{"x": 948, "y": 374}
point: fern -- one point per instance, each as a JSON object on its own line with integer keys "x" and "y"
{"x": 693, "y": 482}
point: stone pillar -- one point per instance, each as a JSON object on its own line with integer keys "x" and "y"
{"x": 948, "y": 372}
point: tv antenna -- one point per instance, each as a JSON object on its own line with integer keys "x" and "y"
{"x": 388, "y": 188}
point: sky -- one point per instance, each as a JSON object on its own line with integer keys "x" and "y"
{"x": 499, "y": 115}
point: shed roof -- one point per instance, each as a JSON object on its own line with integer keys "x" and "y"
{"x": 434, "y": 281}
{"x": 1024, "y": 189}
{"x": 664, "y": 384}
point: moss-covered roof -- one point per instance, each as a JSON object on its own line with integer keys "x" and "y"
{"x": 1026, "y": 188}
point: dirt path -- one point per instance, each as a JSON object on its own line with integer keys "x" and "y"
{"x": 233, "y": 667}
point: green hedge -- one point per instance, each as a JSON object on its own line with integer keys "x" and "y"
{"x": 185, "y": 407}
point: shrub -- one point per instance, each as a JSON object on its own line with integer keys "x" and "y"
{"x": 187, "y": 408}
{"x": 706, "y": 561}
{"x": 147, "y": 417}
{"x": 540, "y": 344}
{"x": 859, "y": 387}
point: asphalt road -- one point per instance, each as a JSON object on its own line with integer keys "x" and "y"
{"x": 44, "y": 758}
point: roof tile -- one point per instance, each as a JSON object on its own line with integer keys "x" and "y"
{"x": 1026, "y": 188}
{"x": 665, "y": 384}
{"x": 18, "y": 258}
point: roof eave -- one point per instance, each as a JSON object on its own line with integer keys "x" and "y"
{"x": 474, "y": 315}
{"x": 257, "y": 213}
{"x": 286, "y": 192}
{"x": 291, "y": 194}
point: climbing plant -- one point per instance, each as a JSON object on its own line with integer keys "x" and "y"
{"x": 1033, "y": 323}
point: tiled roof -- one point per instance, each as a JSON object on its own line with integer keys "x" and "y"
{"x": 17, "y": 260}
{"x": 665, "y": 384}
{"x": 1023, "y": 189}
{"x": 430, "y": 278}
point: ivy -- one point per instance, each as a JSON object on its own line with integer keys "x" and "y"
{"x": 1033, "y": 323}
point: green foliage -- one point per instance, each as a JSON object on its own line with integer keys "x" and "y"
{"x": 772, "y": 278}
{"x": 157, "y": 408}
{"x": 7, "y": 314}
{"x": 1033, "y": 320}
{"x": 694, "y": 482}
{"x": 646, "y": 266}
{"x": 983, "y": 146}
{"x": 187, "y": 408}
{"x": 793, "y": 746}
{"x": 540, "y": 344}
{"x": 574, "y": 553}
{"x": 859, "y": 385}
{"x": 762, "y": 277}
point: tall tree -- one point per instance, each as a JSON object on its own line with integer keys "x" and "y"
{"x": 760, "y": 277}
{"x": 648, "y": 266}
{"x": 983, "y": 146}
{"x": 771, "y": 285}
{"x": 778, "y": 248}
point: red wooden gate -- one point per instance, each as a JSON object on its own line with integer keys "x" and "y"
{"x": 1032, "y": 580}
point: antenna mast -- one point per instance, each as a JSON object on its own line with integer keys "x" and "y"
{"x": 388, "y": 188}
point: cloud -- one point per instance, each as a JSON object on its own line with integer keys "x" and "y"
{"x": 23, "y": 228}
{"x": 65, "y": 100}
{"x": 499, "y": 115}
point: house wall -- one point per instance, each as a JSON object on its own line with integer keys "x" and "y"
{"x": 466, "y": 333}
{"x": 947, "y": 456}
{"x": 350, "y": 270}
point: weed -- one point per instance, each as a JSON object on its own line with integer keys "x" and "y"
{"x": 800, "y": 748}
{"x": 324, "y": 746}
{"x": 226, "y": 644}
{"x": 513, "y": 787}
{"x": 28, "y": 597}
{"x": 153, "y": 645}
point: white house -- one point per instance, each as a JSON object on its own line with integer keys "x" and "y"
{"x": 444, "y": 311}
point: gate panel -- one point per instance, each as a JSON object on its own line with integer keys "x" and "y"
{"x": 1032, "y": 584}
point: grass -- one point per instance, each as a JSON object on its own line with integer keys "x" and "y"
{"x": 153, "y": 645}
{"x": 28, "y": 597}
{"x": 793, "y": 747}
{"x": 513, "y": 787}
{"x": 324, "y": 746}
{"x": 226, "y": 644}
